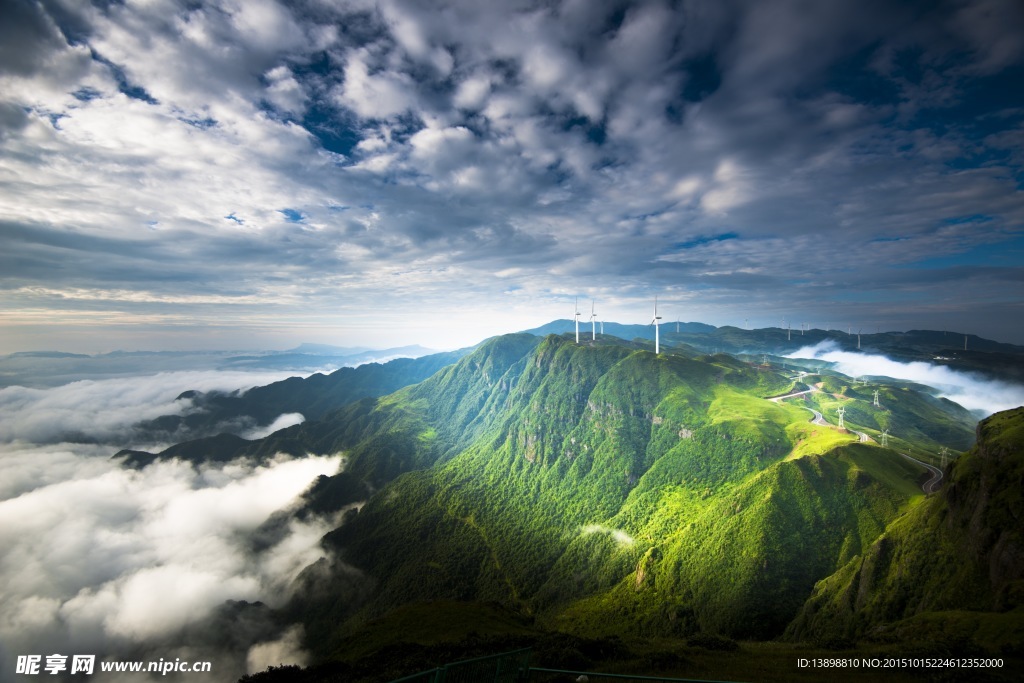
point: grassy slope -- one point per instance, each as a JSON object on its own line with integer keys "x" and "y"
{"x": 950, "y": 570}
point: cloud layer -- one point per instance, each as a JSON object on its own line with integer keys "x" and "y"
{"x": 143, "y": 564}
{"x": 105, "y": 410}
{"x": 99, "y": 559}
{"x": 972, "y": 392}
{"x": 315, "y": 170}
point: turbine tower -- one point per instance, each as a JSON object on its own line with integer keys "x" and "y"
{"x": 789, "y": 332}
{"x": 654, "y": 321}
{"x": 858, "y": 337}
{"x": 576, "y": 316}
{"x": 841, "y": 411}
{"x": 602, "y": 327}
{"x": 593, "y": 322}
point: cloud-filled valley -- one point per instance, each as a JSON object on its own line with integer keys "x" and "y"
{"x": 105, "y": 410}
{"x": 101, "y": 559}
{"x": 982, "y": 395}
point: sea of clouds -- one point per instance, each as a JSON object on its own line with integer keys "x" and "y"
{"x": 981, "y": 395}
{"x": 96, "y": 558}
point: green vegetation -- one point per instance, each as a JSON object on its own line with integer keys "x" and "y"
{"x": 949, "y": 570}
{"x": 597, "y": 490}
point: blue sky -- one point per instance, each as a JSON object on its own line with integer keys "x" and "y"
{"x": 181, "y": 175}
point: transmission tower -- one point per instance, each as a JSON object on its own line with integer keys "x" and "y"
{"x": 841, "y": 411}
{"x": 945, "y": 456}
{"x": 876, "y": 399}
{"x": 885, "y": 438}
{"x": 764, "y": 359}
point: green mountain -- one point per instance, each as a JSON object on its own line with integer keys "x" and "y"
{"x": 600, "y": 489}
{"x": 989, "y": 358}
{"x": 214, "y": 412}
{"x": 951, "y": 570}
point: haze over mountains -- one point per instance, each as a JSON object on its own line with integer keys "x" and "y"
{"x": 53, "y": 368}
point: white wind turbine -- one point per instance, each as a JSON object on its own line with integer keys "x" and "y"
{"x": 654, "y": 321}
{"x": 593, "y": 322}
{"x": 576, "y": 316}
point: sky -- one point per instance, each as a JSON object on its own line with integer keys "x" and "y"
{"x": 256, "y": 174}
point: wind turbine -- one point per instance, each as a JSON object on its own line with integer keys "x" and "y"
{"x": 577, "y": 318}
{"x": 593, "y": 322}
{"x": 654, "y": 321}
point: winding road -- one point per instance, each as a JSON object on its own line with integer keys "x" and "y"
{"x": 930, "y": 486}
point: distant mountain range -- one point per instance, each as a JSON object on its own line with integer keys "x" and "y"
{"x": 535, "y": 486}
{"x": 53, "y": 368}
{"x": 990, "y": 358}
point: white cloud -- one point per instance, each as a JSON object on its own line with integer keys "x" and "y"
{"x": 107, "y": 558}
{"x": 618, "y": 535}
{"x": 970, "y": 391}
{"x": 280, "y": 422}
{"x": 285, "y": 92}
{"x": 472, "y": 92}
{"x": 581, "y": 120}
{"x": 106, "y": 409}
{"x": 378, "y": 95}
{"x": 285, "y": 650}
